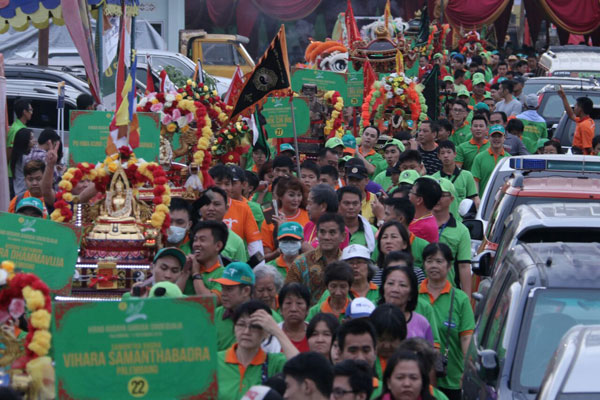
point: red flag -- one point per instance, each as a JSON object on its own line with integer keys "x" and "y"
{"x": 387, "y": 14}
{"x": 369, "y": 78}
{"x": 149, "y": 80}
{"x": 351, "y": 27}
{"x": 237, "y": 81}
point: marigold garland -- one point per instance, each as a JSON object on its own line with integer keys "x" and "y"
{"x": 335, "y": 122}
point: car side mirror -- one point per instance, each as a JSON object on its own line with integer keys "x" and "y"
{"x": 488, "y": 359}
{"x": 482, "y": 263}
{"x": 475, "y": 228}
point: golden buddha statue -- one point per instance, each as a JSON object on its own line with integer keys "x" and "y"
{"x": 119, "y": 216}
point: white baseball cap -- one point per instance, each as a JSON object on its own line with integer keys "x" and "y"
{"x": 356, "y": 251}
{"x": 360, "y": 307}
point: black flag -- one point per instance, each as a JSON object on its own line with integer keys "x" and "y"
{"x": 430, "y": 92}
{"x": 271, "y": 74}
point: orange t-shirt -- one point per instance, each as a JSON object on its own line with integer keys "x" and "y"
{"x": 584, "y": 134}
{"x": 239, "y": 218}
{"x": 266, "y": 231}
{"x": 12, "y": 207}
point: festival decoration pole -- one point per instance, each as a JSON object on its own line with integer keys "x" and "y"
{"x": 295, "y": 134}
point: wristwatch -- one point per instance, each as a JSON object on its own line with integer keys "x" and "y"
{"x": 197, "y": 276}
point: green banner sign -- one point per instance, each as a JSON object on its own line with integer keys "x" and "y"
{"x": 41, "y": 247}
{"x": 278, "y": 113}
{"x": 325, "y": 80}
{"x": 160, "y": 348}
{"x": 89, "y": 131}
{"x": 355, "y": 87}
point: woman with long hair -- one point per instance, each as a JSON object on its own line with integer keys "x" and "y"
{"x": 24, "y": 142}
{"x": 321, "y": 332}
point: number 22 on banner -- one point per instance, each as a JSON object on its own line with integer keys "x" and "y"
{"x": 137, "y": 386}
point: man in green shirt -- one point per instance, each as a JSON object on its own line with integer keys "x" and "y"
{"x": 458, "y": 117}
{"x": 455, "y": 235}
{"x": 391, "y": 150}
{"x": 366, "y": 152}
{"x": 308, "y": 376}
{"x": 486, "y": 161}
{"x": 237, "y": 283}
{"x": 167, "y": 266}
{"x": 205, "y": 263}
{"x": 23, "y": 112}
{"x": 213, "y": 207}
{"x": 535, "y": 127}
{"x": 181, "y": 223}
{"x": 361, "y": 231}
{"x": 467, "y": 151}
{"x": 462, "y": 180}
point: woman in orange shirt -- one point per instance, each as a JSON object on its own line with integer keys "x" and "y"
{"x": 291, "y": 203}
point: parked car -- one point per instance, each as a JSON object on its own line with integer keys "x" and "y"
{"x": 551, "y": 106}
{"x": 573, "y": 61}
{"x": 542, "y": 291}
{"x": 565, "y": 130}
{"x": 571, "y": 373}
{"x": 49, "y": 74}
{"x": 534, "y": 85}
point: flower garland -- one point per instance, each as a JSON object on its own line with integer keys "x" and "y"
{"x": 395, "y": 91}
{"x": 100, "y": 176}
{"x": 37, "y": 299}
{"x": 335, "y": 122}
{"x": 228, "y": 146}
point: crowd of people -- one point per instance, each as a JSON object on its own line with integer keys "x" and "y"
{"x": 350, "y": 277}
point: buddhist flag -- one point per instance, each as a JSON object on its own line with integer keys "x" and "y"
{"x": 369, "y": 78}
{"x": 270, "y": 75}
{"x": 118, "y": 136}
{"x": 351, "y": 27}
{"x": 124, "y": 128}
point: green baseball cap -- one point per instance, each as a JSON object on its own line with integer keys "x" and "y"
{"x": 344, "y": 159}
{"x": 334, "y": 142}
{"x": 478, "y": 78}
{"x": 394, "y": 142}
{"x": 171, "y": 251}
{"x": 481, "y": 106}
{"x": 409, "y": 176}
{"x": 348, "y": 140}
{"x": 31, "y": 202}
{"x": 165, "y": 289}
{"x": 448, "y": 78}
{"x": 487, "y": 95}
{"x": 286, "y": 147}
{"x": 497, "y": 129}
{"x": 447, "y": 186}
{"x": 463, "y": 92}
{"x": 237, "y": 273}
{"x": 437, "y": 55}
{"x": 290, "y": 229}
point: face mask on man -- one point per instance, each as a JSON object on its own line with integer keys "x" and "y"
{"x": 176, "y": 234}
{"x": 290, "y": 247}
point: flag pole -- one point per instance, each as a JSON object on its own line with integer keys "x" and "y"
{"x": 295, "y": 134}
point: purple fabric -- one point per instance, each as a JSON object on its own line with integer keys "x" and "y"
{"x": 373, "y": 187}
{"x": 418, "y": 326}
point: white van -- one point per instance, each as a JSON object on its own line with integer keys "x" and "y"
{"x": 571, "y": 61}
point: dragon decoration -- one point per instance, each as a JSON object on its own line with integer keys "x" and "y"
{"x": 329, "y": 55}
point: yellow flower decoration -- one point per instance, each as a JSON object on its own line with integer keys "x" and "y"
{"x": 40, "y": 343}
{"x": 33, "y": 298}
{"x": 40, "y": 319}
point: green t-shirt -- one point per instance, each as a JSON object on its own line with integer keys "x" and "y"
{"x": 378, "y": 161}
{"x": 233, "y": 385}
{"x": 358, "y": 237}
{"x": 466, "y": 153}
{"x": 257, "y": 212}
{"x": 465, "y": 187}
{"x": 235, "y": 248}
{"x": 532, "y": 132}
{"x": 266, "y": 203}
{"x": 282, "y": 269}
{"x": 206, "y": 278}
{"x": 462, "y": 134}
{"x": 317, "y": 308}
{"x": 10, "y": 137}
{"x": 384, "y": 180}
{"x": 225, "y": 334}
{"x": 462, "y": 322}
{"x": 457, "y": 237}
{"x": 416, "y": 248}
{"x": 426, "y": 310}
{"x": 483, "y": 166}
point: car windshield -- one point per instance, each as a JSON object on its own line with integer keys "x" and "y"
{"x": 549, "y": 315}
{"x": 553, "y": 108}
